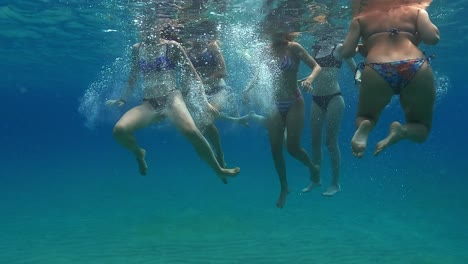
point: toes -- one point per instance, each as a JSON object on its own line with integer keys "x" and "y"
{"x": 377, "y": 152}
{"x": 358, "y": 154}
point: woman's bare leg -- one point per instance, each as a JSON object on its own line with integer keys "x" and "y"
{"x": 212, "y": 134}
{"x": 211, "y": 131}
{"x": 276, "y": 127}
{"x": 179, "y": 115}
{"x": 317, "y": 119}
{"x": 295, "y": 125}
{"x": 417, "y": 100}
{"x": 374, "y": 95}
{"x": 134, "y": 119}
{"x": 334, "y": 116}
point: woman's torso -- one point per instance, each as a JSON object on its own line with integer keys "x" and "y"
{"x": 207, "y": 64}
{"x": 157, "y": 67}
{"x": 391, "y": 35}
{"x": 286, "y": 64}
{"x": 327, "y": 81}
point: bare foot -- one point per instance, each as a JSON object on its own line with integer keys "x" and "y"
{"x": 396, "y": 134}
{"x": 141, "y": 162}
{"x": 282, "y": 199}
{"x": 332, "y": 190}
{"x": 224, "y": 173}
{"x": 314, "y": 178}
{"x": 359, "y": 141}
{"x": 311, "y": 186}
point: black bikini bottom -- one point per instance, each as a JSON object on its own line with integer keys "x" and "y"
{"x": 323, "y": 100}
{"x": 158, "y": 103}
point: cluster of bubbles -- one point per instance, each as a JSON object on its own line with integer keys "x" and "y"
{"x": 442, "y": 84}
{"x": 197, "y": 103}
{"x": 245, "y": 44}
{"x": 109, "y": 85}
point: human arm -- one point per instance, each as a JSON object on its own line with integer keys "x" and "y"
{"x": 350, "y": 62}
{"x": 357, "y": 72}
{"x": 427, "y": 31}
{"x": 357, "y": 6}
{"x": 188, "y": 71}
{"x": 253, "y": 82}
{"x": 180, "y": 55}
{"x": 362, "y": 49}
{"x": 220, "y": 68}
{"x": 132, "y": 79}
{"x": 305, "y": 57}
{"x": 352, "y": 40}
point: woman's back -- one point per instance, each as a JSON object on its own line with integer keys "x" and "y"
{"x": 392, "y": 34}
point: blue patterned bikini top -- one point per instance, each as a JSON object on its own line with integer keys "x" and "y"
{"x": 288, "y": 64}
{"x": 158, "y": 64}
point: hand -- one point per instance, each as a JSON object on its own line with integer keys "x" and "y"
{"x": 362, "y": 49}
{"x": 115, "y": 103}
{"x": 307, "y": 85}
{"x": 357, "y": 77}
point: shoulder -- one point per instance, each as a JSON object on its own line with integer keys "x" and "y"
{"x": 136, "y": 49}
{"x": 338, "y": 46}
{"x": 421, "y": 11}
{"x": 173, "y": 44}
{"x": 213, "y": 46}
{"x": 337, "y": 51}
{"x": 174, "y": 47}
{"x": 295, "y": 47}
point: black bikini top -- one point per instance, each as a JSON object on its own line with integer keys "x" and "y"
{"x": 329, "y": 61}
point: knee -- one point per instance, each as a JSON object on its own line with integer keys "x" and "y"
{"x": 120, "y": 130}
{"x": 423, "y": 135}
{"x": 293, "y": 149}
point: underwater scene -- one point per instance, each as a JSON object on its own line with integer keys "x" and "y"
{"x": 233, "y": 131}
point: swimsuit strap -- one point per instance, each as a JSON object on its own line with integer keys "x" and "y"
{"x": 393, "y": 31}
{"x": 167, "y": 50}
{"x": 360, "y": 66}
{"x": 333, "y": 51}
{"x": 429, "y": 58}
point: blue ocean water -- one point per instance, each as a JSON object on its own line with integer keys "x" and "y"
{"x": 70, "y": 194}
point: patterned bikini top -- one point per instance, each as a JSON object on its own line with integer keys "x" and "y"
{"x": 158, "y": 64}
{"x": 328, "y": 61}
